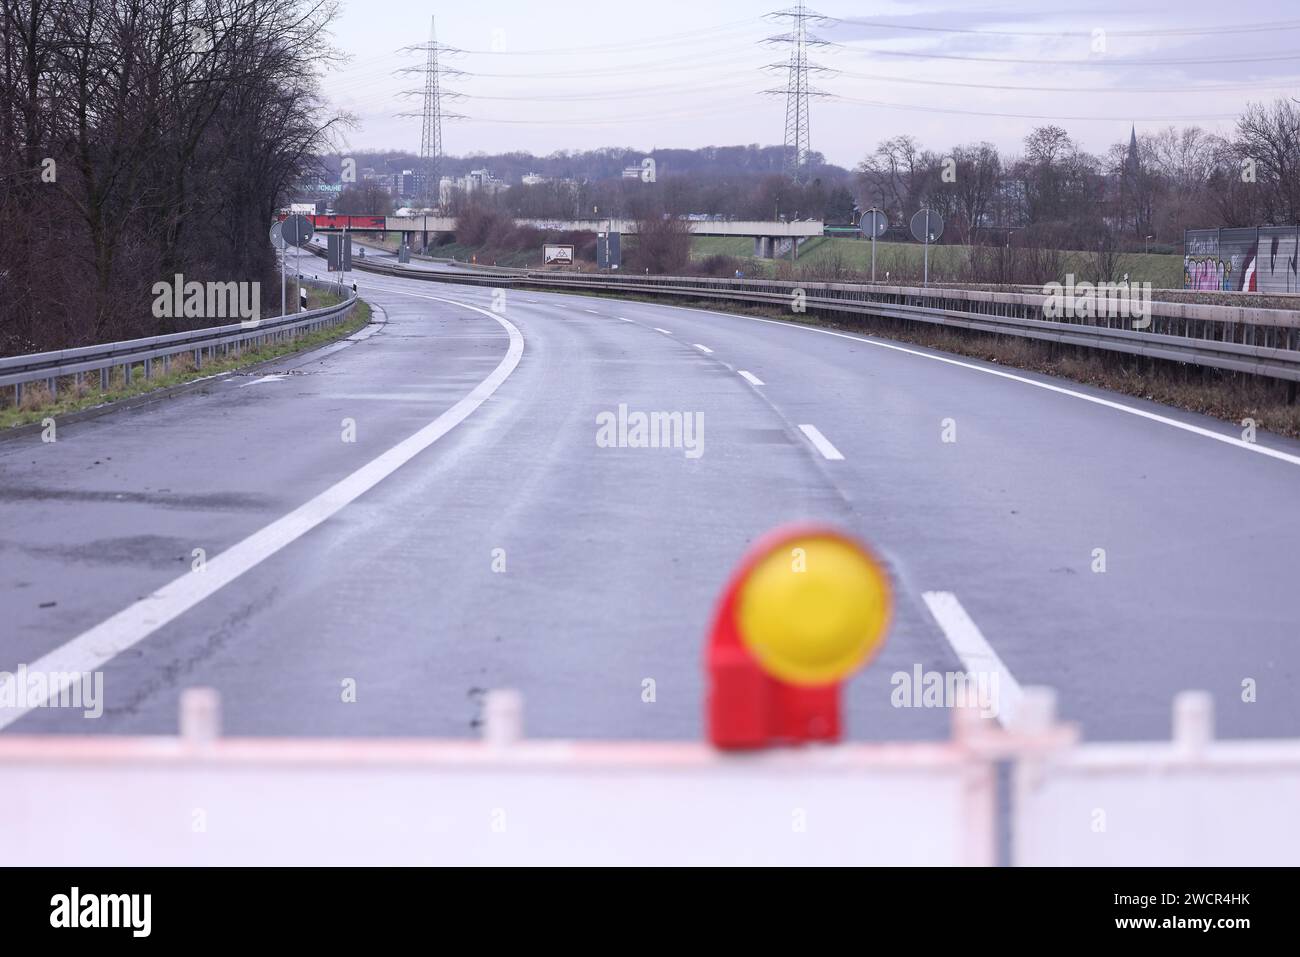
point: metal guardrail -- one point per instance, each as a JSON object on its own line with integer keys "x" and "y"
{"x": 1254, "y": 340}
{"x": 202, "y": 344}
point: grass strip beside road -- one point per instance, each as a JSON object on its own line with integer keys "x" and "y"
{"x": 72, "y": 396}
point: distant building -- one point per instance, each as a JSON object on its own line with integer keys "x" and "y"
{"x": 408, "y": 184}
{"x": 533, "y": 179}
{"x": 476, "y": 180}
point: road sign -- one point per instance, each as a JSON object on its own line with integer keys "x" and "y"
{"x": 557, "y": 255}
{"x": 297, "y": 230}
{"x": 609, "y": 254}
{"x": 277, "y": 236}
{"x": 806, "y": 608}
{"x": 338, "y": 253}
{"x": 927, "y": 226}
{"x": 874, "y": 223}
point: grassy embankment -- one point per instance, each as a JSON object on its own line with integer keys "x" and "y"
{"x": 1163, "y": 271}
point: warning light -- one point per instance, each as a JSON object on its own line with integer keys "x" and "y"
{"x": 806, "y": 608}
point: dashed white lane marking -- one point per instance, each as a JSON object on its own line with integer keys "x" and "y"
{"x": 976, "y": 654}
{"x": 704, "y": 349}
{"x": 621, "y": 319}
{"x": 822, "y": 444}
{"x": 1059, "y": 390}
{"x": 594, "y": 312}
{"x": 750, "y": 378}
{"x": 664, "y": 331}
{"x": 91, "y": 649}
{"x": 274, "y": 377}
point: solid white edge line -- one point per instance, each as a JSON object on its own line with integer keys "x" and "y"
{"x": 93, "y": 648}
{"x": 822, "y": 444}
{"x": 704, "y": 349}
{"x": 750, "y": 378}
{"x": 974, "y": 651}
{"x": 1061, "y": 390}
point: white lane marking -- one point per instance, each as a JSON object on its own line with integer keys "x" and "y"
{"x": 274, "y": 377}
{"x": 1061, "y": 390}
{"x": 822, "y": 443}
{"x": 976, "y": 654}
{"x": 751, "y": 378}
{"x": 704, "y": 349}
{"x": 92, "y": 649}
{"x": 664, "y": 331}
{"x": 594, "y": 312}
{"x": 621, "y": 319}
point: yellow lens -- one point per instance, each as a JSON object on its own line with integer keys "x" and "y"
{"x": 813, "y": 610}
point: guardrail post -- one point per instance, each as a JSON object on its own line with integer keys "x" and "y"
{"x": 198, "y": 358}
{"x": 52, "y": 384}
{"x": 126, "y": 373}
{"x": 18, "y": 394}
{"x": 103, "y": 379}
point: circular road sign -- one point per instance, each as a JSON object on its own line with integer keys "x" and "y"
{"x": 927, "y": 225}
{"x": 297, "y": 230}
{"x": 277, "y": 236}
{"x": 874, "y": 223}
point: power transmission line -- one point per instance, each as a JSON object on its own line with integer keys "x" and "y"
{"x": 797, "y": 89}
{"x": 1217, "y": 30}
{"x": 432, "y": 114}
{"x": 1143, "y": 63}
{"x": 1281, "y": 84}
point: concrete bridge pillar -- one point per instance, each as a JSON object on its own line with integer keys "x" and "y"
{"x": 762, "y": 247}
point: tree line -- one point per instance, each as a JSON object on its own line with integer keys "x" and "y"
{"x": 1051, "y": 192}
{"x": 141, "y": 139}
{"x": 1170, "y": 180}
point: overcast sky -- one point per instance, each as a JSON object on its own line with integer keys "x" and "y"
{"x": 546, "y": 76}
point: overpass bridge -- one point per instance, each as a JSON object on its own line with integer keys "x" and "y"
{"x": 768, "y": 236}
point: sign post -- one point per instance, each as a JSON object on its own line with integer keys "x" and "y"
{"x": 873, "y": 224}
{"x": 277, "y": 240}
{"x": 927, "y": 226}
{"x": 297, "y": 232}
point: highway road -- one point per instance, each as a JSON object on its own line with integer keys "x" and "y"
{"x": 477, "y": 536}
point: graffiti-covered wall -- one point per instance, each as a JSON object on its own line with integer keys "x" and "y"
{"x": 1254, "y": 259}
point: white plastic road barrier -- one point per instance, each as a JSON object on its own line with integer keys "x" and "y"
{"x": 1189, "y": 801}
{"x": 203, "y": 799}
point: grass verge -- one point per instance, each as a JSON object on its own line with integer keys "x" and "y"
{"x": 77, "y": 396}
